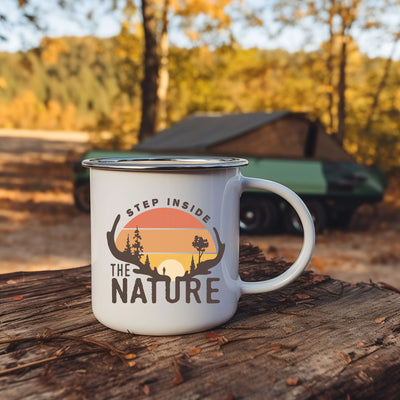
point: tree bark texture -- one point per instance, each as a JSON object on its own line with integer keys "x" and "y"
{"x": 317, "y": 338}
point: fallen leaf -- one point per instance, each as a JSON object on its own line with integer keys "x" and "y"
{"x": 11, "y": 282}
{"x": 131, "y": 363}
{"x": 212, "y": 335}
{"x": 317, "y": 263}
{"x": 353, "y": 285}
{"x": 319, "y": 278}
{"x": 346, "y": 358}
{"x": 292, "y": 381}
{"x": 130, "y": 356}
{"x": 302, "y": 296}
{"x": 178, "y": 379}
{"x": 18, "y": 297}
{"x": 152, "y": 346}
{"x": 287, "y": 329}
{"x": 194, "y": 351}
{"x": 146, "y": 390}
{"x": 276, "y": 347}
{"x": 380, "y": 320}
{"x": 361, "y": 344}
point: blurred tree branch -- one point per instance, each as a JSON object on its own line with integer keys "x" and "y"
{"x": 381, "y": 85}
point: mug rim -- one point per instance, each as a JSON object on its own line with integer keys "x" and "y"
{"x": 164, "y": 163}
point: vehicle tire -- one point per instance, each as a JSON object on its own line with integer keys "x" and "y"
{"x": 341, "y": 219}
{"x": 82, "y": 196}
{"x": 317, "y": 210}
{"x": 257, "y": 215}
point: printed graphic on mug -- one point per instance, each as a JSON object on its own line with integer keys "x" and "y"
{"x": 170, "y": 247}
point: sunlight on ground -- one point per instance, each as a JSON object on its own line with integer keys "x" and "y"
{"x": 39, "y": 225}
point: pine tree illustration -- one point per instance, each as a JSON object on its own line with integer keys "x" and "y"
{"x": 128, "y": 246}
{"x": 192, "y": 266}
{"x": 147, "y": 262}
{"x": 137, "y": 248}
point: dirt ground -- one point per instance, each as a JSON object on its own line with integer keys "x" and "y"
{"x": 40, "y": 228}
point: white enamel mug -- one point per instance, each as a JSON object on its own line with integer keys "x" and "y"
{"x": 165, "y": 242}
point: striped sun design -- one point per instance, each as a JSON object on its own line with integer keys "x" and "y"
{"x": 173, "y": 240}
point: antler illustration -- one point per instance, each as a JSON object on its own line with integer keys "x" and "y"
{"x": 203, "y": 268}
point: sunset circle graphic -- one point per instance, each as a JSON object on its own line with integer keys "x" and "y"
{"x": 172, "y": 268}
{"x": 170, "y": 241}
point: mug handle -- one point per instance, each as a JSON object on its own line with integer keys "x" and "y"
{"x": 308, "y": 242}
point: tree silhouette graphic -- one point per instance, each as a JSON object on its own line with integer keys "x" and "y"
{"x": 128, "y": 249}
{"x": 147, "y": 262}
{"x": 137, "y": 248}
{"x": 192, "y": 266}
{"x": 200, "y": 244}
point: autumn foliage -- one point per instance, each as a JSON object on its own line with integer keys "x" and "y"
{"x": 90, "y": 83}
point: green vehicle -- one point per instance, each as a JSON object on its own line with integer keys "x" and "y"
{"x": 283, "y": 146}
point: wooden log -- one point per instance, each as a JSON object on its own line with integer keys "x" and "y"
{"x": 318, "y": 338}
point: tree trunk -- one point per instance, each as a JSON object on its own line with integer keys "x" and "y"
{"x": 342, "y": 91}
{"x": 381, "y": 86}
{"x": 329, "y": 67}
{"x": 348, "y": 14}
{"x": 150, "y": 78}
{"x": 163, "y": 76}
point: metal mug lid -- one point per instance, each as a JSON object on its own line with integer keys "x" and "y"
{"x": 164, "y": 163}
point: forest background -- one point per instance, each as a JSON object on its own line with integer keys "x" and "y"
{"x": 105, "y": 85}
